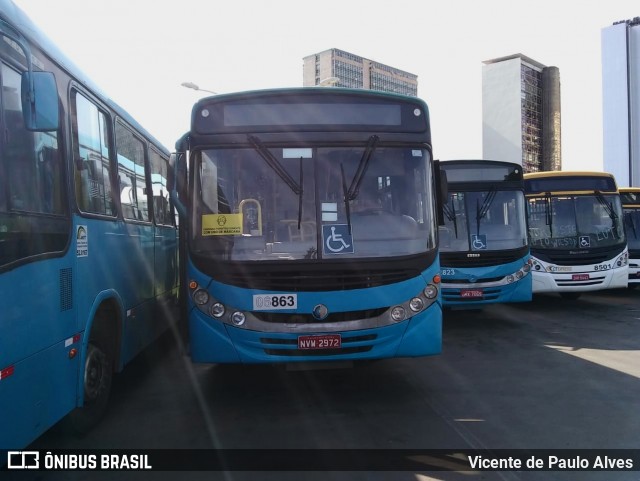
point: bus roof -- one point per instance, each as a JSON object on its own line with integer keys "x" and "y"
{"x": 569, "y": 182}
{"x": 566, "y": 173}
{"x": 12, "y": 14}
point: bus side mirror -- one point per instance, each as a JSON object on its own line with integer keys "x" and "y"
{"x": 40, "y": 101}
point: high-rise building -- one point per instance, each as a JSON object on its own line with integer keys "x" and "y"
{"x": 338, "y": 68}
{"x": 521, "y": 113}
{"x": 621, "y": 101}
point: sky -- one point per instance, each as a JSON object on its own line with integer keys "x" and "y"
{"x": 140, "y": 52}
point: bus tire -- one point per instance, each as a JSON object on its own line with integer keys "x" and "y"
{"x": 97, "y": 379}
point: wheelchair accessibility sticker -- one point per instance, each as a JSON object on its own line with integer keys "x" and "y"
{"x": 336, "y": 239}
{"x": 478, "y": 242}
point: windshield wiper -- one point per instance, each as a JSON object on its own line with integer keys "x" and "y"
{"x": 281, "y": 171}
{"x": 450, "y": 212}
{"x": 607, "y": 206}
{"x": 274, "y": 164}
{"x": 481, "y": 211}
{"x": 549, "y": 214}
{"x": 345, "y": 195}
{"x": 352, "y": 193}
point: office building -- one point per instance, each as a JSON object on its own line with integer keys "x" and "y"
{"x": 521, "y": 113}
{"x": 621, "y": 101}
{"x": 338, "y": 68}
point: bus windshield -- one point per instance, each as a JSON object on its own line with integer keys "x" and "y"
{"x": 632, "y": 227}
{"x": 287, "y": 203}
{"x": 484, "y": 220}
{"x": 575, "y": 221}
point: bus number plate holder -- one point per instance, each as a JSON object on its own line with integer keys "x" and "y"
{"x": 323, "y": 341}
{"x": 580, "y": 277}
{"x": 471, "y": 293}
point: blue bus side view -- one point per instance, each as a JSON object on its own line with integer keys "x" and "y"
{"x": 576, "y": 233}
{"x": 88, "y": 239}
{"x": 484, "y": 251}
{"x": 311, "y": 220}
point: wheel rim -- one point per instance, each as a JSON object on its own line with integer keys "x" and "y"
{"x": 95, "y": 373}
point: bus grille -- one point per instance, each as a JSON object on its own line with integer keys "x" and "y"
{"x": 583, "y": 259}
{"x": 300, "y": 281}
{"x": 286, "y": 318}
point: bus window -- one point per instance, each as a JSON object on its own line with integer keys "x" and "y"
{"x": 91, "y": 154}
{"x": 131, "y": 173}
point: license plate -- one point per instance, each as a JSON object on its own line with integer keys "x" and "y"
{"x": 471, "y": 293}
{"x": 580, "y": 277}
{"x": 324, "y": 341}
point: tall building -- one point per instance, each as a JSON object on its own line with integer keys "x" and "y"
{"x": 621, "y": 101}
{"x": 521, "y": 113}
{"x": 343, "y": 69}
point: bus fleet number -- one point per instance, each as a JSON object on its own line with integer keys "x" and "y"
{"x": 602, "y": 267}
{"x": 275, "y": 301}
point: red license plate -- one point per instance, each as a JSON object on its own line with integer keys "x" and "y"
{"x": 324, "y": 341}
{"x": 580, "y": 277}
{"x": 473, "y": 293}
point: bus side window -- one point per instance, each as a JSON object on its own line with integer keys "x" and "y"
{"x": 91, "y": 153}
{"x": 131, "y": 172}
{"x": 159, "y": 172}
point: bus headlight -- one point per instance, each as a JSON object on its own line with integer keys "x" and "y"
{"x": 238, "y": 318}
{"x": 510, "y": 278}
{"x": 217, "y": 310}
{"x": 416, "y": 304}
{"x": 431, "y": 291}
{"x": 201, "y": 297}
{"x": 397, "y": 313}
{"x": 622, "y": 260}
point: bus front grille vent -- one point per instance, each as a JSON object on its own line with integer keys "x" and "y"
{"x": 287, "y": 318}
{"x": 301, "y": 281}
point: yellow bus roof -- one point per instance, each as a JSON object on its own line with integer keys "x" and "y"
{"x": 565, "y": 173}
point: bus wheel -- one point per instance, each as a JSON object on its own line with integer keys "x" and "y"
{"x": 98, "y": 374}
{"x": 571, "y": 296}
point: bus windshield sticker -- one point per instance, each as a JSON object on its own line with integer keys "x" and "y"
{"x": 221, "y": 224}
{"x": 82, "y": 241}
{"x": 297, "y": 153}
{"x": 329, "y": 211}
{"x": 478, "y": 242}
{"x": 337, "y": 239}
{"x": 585, "y": 241}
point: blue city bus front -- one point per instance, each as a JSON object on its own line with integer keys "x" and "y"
{"x": 484, "y": 252}
{"x": 311, "y": 227}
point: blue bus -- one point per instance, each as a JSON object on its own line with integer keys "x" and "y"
{"x": 576, "y": 232}
{"x": 312, "y": 227}
{"x": 484, "y": 251}
{"x": 630, "y": 197}
{"x": 88, "y": 238}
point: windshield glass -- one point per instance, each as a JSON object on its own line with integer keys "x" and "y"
{"x": 632, "y": 227}
{"x": 488, "y": 220}
{"x": 575, "y": 222}
{"x": 261, "y": 203}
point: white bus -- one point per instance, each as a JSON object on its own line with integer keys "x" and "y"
{"x": 576, "y": 232}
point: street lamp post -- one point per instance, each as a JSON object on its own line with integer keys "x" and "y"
{"x": 191, "y": 85}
